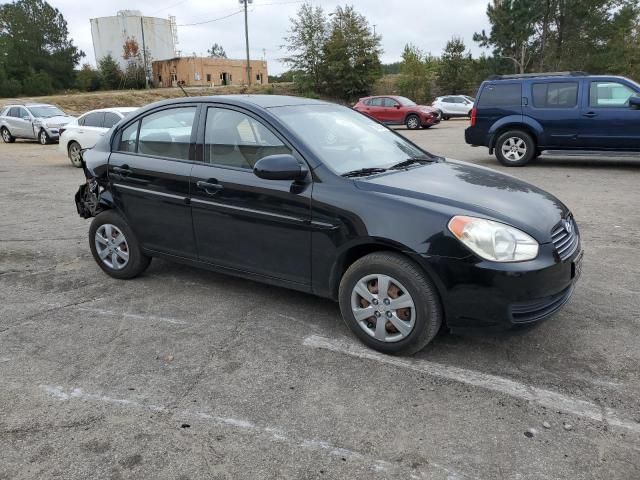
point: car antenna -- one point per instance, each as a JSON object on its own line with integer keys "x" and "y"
{"x": 183, "y": 90}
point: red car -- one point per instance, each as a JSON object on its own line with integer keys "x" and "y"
{"x": 394, "y": 110}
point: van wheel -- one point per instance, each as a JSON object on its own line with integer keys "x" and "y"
{"x": 515, "y": 148}
{"x": 390, "y": 304}
{"x": 413, "y": 122}
{"x": 115, "y": 247}
{"x": 6, "y": 136}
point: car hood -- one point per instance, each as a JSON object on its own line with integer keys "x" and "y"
{"x": 57, "y": 121}
{"x": 468, "y": 189}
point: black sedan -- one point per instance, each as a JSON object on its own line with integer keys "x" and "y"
{"x": 316, "y": 197}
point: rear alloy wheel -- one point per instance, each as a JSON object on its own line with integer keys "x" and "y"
{"x": 6, "y": 136}
{"x": 515, "y": 148}
{"x": 115, "y": 248}
{"x": 75, "y": 154}
{"x": 413, "y": 122}
{"x": 389, "y": 303}
{"x": 43, "y": 138}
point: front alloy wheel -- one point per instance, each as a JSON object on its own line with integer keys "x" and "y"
{"x": 75, "y": 154}
{"x": 43, "y": 137}
{"x": 413, "y": 122}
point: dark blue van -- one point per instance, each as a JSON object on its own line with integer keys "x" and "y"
{"x": 519, "y": 116}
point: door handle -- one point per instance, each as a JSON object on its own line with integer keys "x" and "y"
{"x": 211, "y": 186}
{"x": 590, "y": 114}
{"x": 123, "y": 170}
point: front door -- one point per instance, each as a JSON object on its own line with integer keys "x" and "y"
{"x": 393, "y": 111}
{"x": 241, "y": 221}
{"x": 608, "y": 122}
{"x": 149, "y": 171}
{"x": 21, "y": 123}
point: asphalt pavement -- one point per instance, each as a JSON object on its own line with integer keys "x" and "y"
{"x": 188, "y": 374}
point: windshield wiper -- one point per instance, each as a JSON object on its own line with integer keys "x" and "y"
{"x": 410, "y": 161}
{"x": 363, "y": 172}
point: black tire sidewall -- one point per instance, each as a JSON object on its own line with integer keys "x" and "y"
{"x": 421, "y": 288}
{"x": 138, "y": 262}
{"x": 46, "y": 137}
{"x": 531, "y": 148}
{"x": 11, "y": 138}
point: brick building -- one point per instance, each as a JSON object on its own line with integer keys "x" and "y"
{"x": 207, "y": 71}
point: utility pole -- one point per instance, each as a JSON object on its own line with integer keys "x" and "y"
{"x": 374, "y": 29}
{"x": 144, "y": 55}
{"x": 246, "y": 38}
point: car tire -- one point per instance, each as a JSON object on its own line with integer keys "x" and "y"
{"x": 74, "y": 152}
{"x": 404, "y": 278}
{"x": 6, "y": 135}
{"x": 413, "y": 122}
{"x": 43, "y": 137}
{"x": 109, "y": 226}
{"x": 515, "y": 148}
{"x": 427, "y": 126}
{"x": 445, "y": 117}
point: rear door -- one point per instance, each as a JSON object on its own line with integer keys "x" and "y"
{"x": 241, "y": 221}
{"x": 607, "y": 121}
{"x": 376, "y": 108}
{"x": 149, "y": 170}
{"x": 554, "y": 104}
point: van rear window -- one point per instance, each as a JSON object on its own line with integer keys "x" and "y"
{"x": 501, "y": 95}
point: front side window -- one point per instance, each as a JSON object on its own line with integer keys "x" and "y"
{"x": 22, "y": 113}
{"x": 234, "y": 139}
{"x": 94, "y": 119}
{"x": 390, "y": 103}
{"x": 345, "y": 140}
{"x": 555, "y": 95}
{"x": 167, "y": 133}
{"x": 501, "y": 95}
{"x": 609, "y": 94}
{"x": 406, "y": 102}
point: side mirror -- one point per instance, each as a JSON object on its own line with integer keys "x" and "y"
{"x": 26, "y": 119}
{"x": 397, "y": 105}
{"x": 634, "y": 102}
{"x": 279, "y": 167}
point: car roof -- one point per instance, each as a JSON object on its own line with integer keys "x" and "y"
{"x": 263, "y": 101}
{"x": 113, "y": 109}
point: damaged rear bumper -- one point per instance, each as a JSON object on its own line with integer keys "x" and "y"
{"x": 88, "y": 199}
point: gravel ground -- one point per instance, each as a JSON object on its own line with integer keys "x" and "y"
{"x": 187, "y": 374}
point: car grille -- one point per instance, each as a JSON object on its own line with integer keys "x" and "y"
{"x": 566, "y": 238}
{"x": 536, "y": 310}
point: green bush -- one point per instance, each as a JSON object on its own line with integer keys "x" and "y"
{"x": 37, "y": 84}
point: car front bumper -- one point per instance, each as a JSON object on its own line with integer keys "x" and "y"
{"x": 488, "y": 295}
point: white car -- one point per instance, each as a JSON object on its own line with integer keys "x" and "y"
{"x": 452, "y": 106}
{"x": 86, "y": 130}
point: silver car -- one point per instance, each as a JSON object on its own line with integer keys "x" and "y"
{"x": 37, "y": 121}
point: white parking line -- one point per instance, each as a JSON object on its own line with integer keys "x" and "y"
{"x": 273, "y": 434}
{"x": 546, "y": 398}
{"x": 132, "y": 316}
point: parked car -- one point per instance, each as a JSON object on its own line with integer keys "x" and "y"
{"x": 37, "y": 121}
{"x": 316, "y": 197}
{"x": 519, "y": 116}
{"x": 452, "y": 106}
{"x": 393, "y": 110}
{"x": 85, "y": 131}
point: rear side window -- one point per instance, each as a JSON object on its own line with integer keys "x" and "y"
{"x": 376, "y": 102}
{"x": 129, "y": 138}
{"x": 110, "y": 119}
{"x": 555, "y": 95}
{"x": 167, "y": 133}
{"x": 501, "y": 95}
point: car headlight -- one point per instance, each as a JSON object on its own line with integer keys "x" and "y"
{"x": 493, "y": 240}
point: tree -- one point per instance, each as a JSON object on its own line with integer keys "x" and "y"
{"x": 416, "y": 74}
{"x": 110, "y": 73}
{"x": 305, "y": 42}
{"x": 216, "y": 51}
{"x": 454, "y": 69}
{"x": 351, "y": 56}
{"x": 88, "y": 78}
{"x": 34, "y": 38}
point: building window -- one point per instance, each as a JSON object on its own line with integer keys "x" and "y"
{"x": 159, "y": 78}
{"x": 208, "y": 77}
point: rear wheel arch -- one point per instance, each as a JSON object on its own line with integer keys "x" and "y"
{"x": 534, "y": 132}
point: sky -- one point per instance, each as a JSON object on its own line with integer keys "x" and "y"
{"x": 426, "y": 23}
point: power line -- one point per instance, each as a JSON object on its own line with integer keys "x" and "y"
{"x": 170, "y": 6}
{"x": 210, "y": 21}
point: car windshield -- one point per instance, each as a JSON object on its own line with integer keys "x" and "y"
{"x": 46, "y": 111}
{"x": 405, "y": 101}
{"x": 345, "y": 140}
